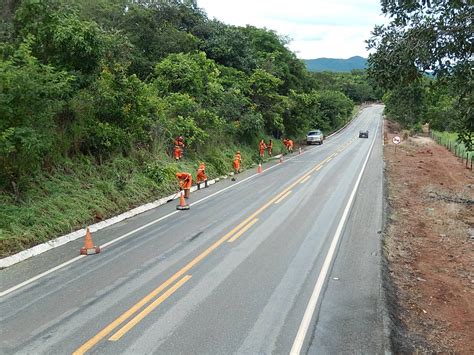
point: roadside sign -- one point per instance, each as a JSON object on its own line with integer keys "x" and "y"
{"x": 396, "y": 140}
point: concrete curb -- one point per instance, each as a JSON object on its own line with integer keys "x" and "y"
{"x": 54, "y": 243}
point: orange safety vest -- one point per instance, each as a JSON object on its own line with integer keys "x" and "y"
{"x": 185, "y": 180}
{"x": 201, "y": 174}
{"x": 237, "y": 160}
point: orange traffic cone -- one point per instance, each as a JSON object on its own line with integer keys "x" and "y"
{"x": 259, "y": 169}
{"x": 89, "y": 247}
{"x": 182, "y": 203}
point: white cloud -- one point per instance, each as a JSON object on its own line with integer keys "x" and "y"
{"x": 318, "y": 28}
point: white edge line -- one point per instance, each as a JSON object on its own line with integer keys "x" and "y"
{"x": 20, "y": 285}
{"x": 308, "y": 314}
{"x": 39, "y": 249}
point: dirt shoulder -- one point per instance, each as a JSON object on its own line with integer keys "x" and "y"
{"x": 429, "y": 247}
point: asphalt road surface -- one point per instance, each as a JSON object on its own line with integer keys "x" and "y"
{"x": 283, "y": 261}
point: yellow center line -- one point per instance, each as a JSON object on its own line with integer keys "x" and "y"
{"x": 148, "y": 309}
{"x": 282, "y": 197}
{"x": 305, "y": 179}
{"x": 242, "y": 231}
{"x": 135, "y": 308}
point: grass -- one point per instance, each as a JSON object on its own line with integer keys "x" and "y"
{"x": 449, "y": 140}
{"x": 80, "y": 192}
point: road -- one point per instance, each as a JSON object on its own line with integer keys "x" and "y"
{"x": 283, "y": 261}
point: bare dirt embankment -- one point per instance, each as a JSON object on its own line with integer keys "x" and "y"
{"x": 429, "y": 247}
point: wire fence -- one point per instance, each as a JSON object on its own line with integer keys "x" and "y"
{"x": 458, "y": 149}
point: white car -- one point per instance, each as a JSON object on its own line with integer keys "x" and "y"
{"x": 315, "y": 137}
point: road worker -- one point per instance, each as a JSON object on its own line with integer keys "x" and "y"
{"x": 270, "y": 147}
{"x": 290, "y": 146}
{"x": 261, "y": 148}
{"x": 201, "y": 173}
{"x": 185, "y": 182}
{"x": 178, "y": 147}
{"x": 237, "y": 162}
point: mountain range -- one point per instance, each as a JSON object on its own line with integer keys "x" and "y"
{"x": 336, "y": 65}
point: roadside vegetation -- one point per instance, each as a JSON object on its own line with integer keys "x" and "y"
{"x": 93, "y": 93}
{"x": 423, "y": 62}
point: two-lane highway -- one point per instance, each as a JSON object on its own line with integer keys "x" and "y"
{"x": 245, "y": 270}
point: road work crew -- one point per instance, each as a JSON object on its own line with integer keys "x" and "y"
{"x": 201, "y": 173}
{"x": 185, "y": 182}
{"x": 270, "y": 147}
{"x": 178, "y": 147}
{"x": 261, "y": 148}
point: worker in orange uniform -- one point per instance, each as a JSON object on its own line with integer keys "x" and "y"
{"x": 201, "y": 175}
{"x": 236, "y": 163}
{"x": 178, "y": 147}
{"x": 288, "y": 144}
{"x": 185, "y": 182}
{"x": 261, "y": 148}
{"x": 270, "y": 147}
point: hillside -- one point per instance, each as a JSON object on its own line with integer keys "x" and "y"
{"x": 336, "y": 65}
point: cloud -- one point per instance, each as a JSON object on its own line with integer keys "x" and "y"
{"x": 318, "y": 28}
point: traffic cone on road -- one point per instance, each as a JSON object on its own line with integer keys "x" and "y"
{"x": 259, "y": 169}
{"x": 182, "y": 202}
{"x": 89, "y": 247}
{"x": 299, "y": 150}
{"x": 281, "y": 158}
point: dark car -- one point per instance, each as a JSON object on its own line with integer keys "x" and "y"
{"x": 363, "y": 134}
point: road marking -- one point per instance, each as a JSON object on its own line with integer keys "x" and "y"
{"x": 305, "y": 179}
{"x": 109, "y": 328}
{"x": 285, "y": 195}
{"x": 242, "y": 231}
{"x": 37, "y": 277}
{"x": 148, "y": 309}
{"x": 319, "y": 168}
{"x": 308, "y": 314}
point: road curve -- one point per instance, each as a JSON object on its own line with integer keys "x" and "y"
{"x": 237, "y": 273}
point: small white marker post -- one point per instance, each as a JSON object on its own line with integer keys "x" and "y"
{"x": 396, "y": 140}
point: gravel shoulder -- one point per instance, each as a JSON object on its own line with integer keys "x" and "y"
{"x": 429, "y": 247}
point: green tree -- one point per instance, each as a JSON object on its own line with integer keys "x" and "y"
{"x": 188, "y": 73}
{"x": 116, "y": 113}
{"x": 427, "y": 37}
{"x": 60, "y": 37}
{"x": 31, "y": 94}
{"x": 271, "y": 105}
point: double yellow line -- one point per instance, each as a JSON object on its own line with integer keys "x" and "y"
{"x": 231, "y": 236}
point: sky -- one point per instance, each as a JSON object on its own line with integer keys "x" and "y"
{"x": 316, "y": 28}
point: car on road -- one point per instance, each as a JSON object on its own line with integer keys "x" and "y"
{"x": 315, "y": 137}
{"x": 363, "y": 134}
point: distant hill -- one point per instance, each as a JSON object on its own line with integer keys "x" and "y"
{"x": 337, "y": 65}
